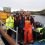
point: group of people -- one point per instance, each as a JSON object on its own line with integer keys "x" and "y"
{"x": 25, "y": 24}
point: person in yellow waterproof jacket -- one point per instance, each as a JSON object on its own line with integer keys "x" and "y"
{"x": 10, "y": 23}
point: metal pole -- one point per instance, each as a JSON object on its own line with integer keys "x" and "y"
{"x": 17, "y": 36}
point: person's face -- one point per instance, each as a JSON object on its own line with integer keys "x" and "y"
{"x": 25, "y": 17}
{"x": 20, "y": 17}
{"x": 29, "y": 17}
{"x": 12, "y": 15}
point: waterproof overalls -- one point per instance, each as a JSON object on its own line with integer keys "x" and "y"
{"x": 28, "y": 36}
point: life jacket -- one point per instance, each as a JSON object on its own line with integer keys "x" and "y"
{"x": 10, "y": 22}
{"x": 39, "y": 29}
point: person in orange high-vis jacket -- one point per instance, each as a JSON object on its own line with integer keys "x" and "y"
{"x": 28, "y": 36}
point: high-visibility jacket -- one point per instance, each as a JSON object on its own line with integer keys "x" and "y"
{"x": 39, "y": 29}
{"x": 10, "y": 22}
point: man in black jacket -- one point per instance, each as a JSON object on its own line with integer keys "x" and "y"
{"x": 20, "y": 28}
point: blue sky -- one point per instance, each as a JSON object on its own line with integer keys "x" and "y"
{"x": 23, "y": 4}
